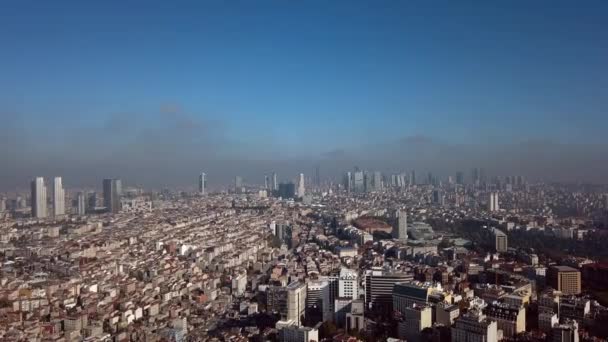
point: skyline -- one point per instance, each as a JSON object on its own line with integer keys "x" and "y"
{"x": 518, "y": 89}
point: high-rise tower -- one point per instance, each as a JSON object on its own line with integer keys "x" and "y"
{"x": 401, "y": 232}
{"x": 111, "y": 194}
{"x": 58, "y": 198}
{"x": 202, "y": 183}
{"x": 38, "y": 198}
{"x": 301, "y": 188}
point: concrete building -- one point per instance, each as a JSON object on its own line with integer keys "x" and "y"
{"x": 296, "y": 302}
{"x": 348, "y": 284}
{"x": 500, "y": 240}
{"x": 379, "y": 286}
{"x": 400, "y": 233}
{"x": 355, "y": 319}
{"x": 564, "y": 279}
{"x": 567, "y": 332}
{"x": 407, "y": 294}
{"x": 291, "y": 332}
{"x": 239, "y": 284}
{"x": 510, "y": 319}
{"x": 446, "y": 314}
{"x": 58, "y": 198}
{"x": 413, "y": 320}
{"x": 474, "y": 327}
{"x": 38, "y": 193}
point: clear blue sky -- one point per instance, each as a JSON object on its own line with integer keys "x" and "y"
{"x": 280, "y": 73}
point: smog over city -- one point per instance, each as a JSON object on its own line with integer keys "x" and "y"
{"x": 303, "y": 171}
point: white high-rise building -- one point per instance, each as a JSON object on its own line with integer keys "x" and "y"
{"x": 275, "y": 183}
{"x": 82, "y": 207}
{"x": 493, "y": 202}
{"x": 38, "y": 198}
{"x": 301, "y": 188}
{"x": 296, "y": 302}
{"x": 202, "y": 183}
{"x": 58, "y": 198}
{"x": 401, "y": 232}
{"x": 348, "y": 284}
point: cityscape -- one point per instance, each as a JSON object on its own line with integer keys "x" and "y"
{"x": 303, "y": 171}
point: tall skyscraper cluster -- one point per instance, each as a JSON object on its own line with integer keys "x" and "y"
{"x": 39, "y": 198}
{"x": 361, "y": 181}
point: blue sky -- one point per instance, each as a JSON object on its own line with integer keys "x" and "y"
{"x": 299, "y": 78}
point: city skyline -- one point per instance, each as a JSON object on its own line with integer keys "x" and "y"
{"x": 400, "y": 86}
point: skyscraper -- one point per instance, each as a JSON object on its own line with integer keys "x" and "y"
{"x": 111, "y": 194}
{"x": 401, "y": 232}
{"x": 296, "y": 301}
{"x": 301, "y": 188}
{"x": 266, "y": 182}
{"x": 202, "y": 183}
{"x": 493, "y": 202}
{"x": 377, "y": 180}
{"x": 238, "y": 184}
{"x": 58, "y": 198}
{"x": 348, "y": 186}
{"x": 358, "y": 180}
{"x": 459, "y": 178}
{"x": 38, "y": 198}
{"x": 81, "y": 204}
{"x": 275, "y": 183}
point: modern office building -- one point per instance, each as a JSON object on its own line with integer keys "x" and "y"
{"x": 348, "y": 284}
{"x": 377, "y": 181}
{"x": 358, "y": 182}
{"x": 379, "y": 286}
{"x": 500, "y": 240}
{"x": 493, "y": 202}
{"x": 38, "y": 193}
{"x": 202, "y": 183}
{"x": 287, "y": 190}
{"x": 81, "y": 206}
{"x": 111, "y": 194}
{"x": 400, "y": 231}
{"x": 348, "y": 185}
{"x": 58, "y": 198}
{"x": 565, "y": 279}
{"x": 275, "y": 184}
{"x": 301, "y": 187}
{"x": 407, "y": 294}
{"x": 296, "y": 302}
{"x": 266, "y": 182}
